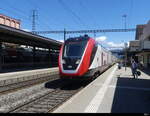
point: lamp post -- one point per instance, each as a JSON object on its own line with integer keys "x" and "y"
{"x": 125, "y": 44}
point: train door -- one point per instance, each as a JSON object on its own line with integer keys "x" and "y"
{"x": 102, "y": 59}
{"x": 107, "y": 58}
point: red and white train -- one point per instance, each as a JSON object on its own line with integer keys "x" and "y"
{"x": 83, "y": 58}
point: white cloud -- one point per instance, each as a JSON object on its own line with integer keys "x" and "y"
{"x": 115, "y": 45}
{"x": 101, "y": 38}
{"x": 109, "y": 44}
{"x": 61, "y": 40}
{"x": 27, "y": 30}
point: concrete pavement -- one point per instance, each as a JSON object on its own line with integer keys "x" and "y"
{"x": 115, "y": 91}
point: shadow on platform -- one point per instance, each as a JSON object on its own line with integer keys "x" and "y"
{"x": 131, "y": 96}
{"x": 146, "y": 71}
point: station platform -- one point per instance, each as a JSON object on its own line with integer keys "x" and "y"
{"x": 20, "y": 76}
{"x": 114, "y": 91}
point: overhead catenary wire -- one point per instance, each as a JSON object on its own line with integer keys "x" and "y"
{"x": 13, "y": 12}
{"x": 87, "y": 31}
{"x": 22, "y": 14}
{"x": 83, "y": 6}
{"x": 46, "y": 20}
{"x": 131, "y": 11}
{"x": 68, "y": 9}
{"x": 44, "y": 17}
{"x": 22, "y": 17}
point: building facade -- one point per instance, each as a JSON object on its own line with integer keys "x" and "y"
{"x": 5, "y": 20}
{"x": 141, "y": 46}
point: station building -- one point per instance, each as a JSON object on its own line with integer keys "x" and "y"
{"x": 140, "y": 47}
{"x": 8, "y": 21}
{"x": 22, "y": 49}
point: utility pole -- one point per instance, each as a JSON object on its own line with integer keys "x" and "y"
{"x": 64, "y": 34}
{"x": 34, "y": 17}
{"x": 94, "y": 34}
{"x": 125, "y": 20}
{"x": 125, "y": 55}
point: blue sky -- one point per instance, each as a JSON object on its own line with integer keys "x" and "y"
{"x": 80, "y": 15}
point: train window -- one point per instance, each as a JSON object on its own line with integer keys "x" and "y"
{"x": 93, "y": 53}
{"x": 74, "y": 49}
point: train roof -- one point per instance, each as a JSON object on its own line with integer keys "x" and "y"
{"x": 103, "y": 47}
{"x": 85, "y": 37}
{"x": 80, "y": 38}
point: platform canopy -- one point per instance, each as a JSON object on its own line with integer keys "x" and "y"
{"x": 17, "y": 36}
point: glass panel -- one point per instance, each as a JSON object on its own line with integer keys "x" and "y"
{"x": 74, "y": 49}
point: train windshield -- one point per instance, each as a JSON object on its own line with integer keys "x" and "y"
{"x": 74, "y": 49}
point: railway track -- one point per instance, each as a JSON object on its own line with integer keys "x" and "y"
{"x": 21, "y": 85}
{"x": 40, "y": 98}
{"x": 51, "y": 100}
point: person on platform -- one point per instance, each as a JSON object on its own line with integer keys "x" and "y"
{"x": 134, "y": 67}
{"x": 119, "y": 65}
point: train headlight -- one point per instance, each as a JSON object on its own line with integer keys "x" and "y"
{"x": 63, "y": 61}
{"x": 78, "y": 61}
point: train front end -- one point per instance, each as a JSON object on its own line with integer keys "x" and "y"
{"x": 74, "y": 57}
